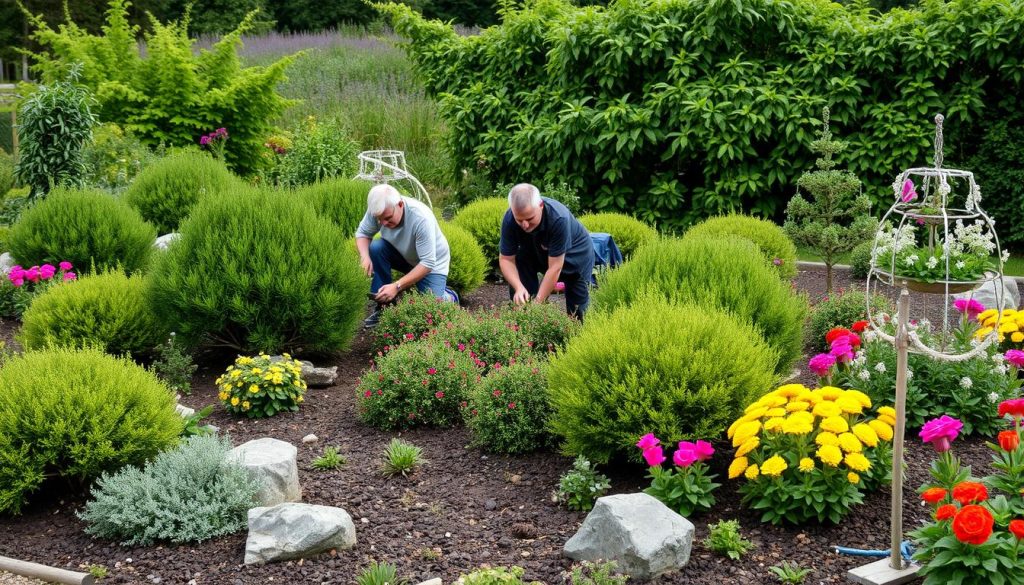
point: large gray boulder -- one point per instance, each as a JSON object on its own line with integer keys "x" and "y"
{"x": 294, "y": 531}
{"x": 273, "y": 464}
{"x": 313, "y": 376}
{"x": 644, "y": 536}
{"x": 986, "y": 294}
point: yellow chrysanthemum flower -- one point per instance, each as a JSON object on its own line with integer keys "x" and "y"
{"x": 234, "y": 401}
{"x": 797, "y": 425}
{"x": 826, "y": 409}
{"x": 850, "y": 443}
{"x": 984, "y": 315}
{"x": 887, "y": 411}
{"x": 226, "y": 387}
{"x": 829, "y": 455}
{"x": 257, "y": 371}
{"x": 884, "y": 431}
{"x": 223, "y": 396}
{"x": 752, "y": 472}
{"x": 239, "y": 383}
{"x": 861, "y": 397}
{"x": 745, "y": 431}
{"x": 1007, "y": 327}
{"x": 889, "y": 420}
{"x": 798, "y": 406}
{"x": 866, "y": 434}
{"x": 300, "y": 399}
{"x": 806, "y": 465}
{"x": 849, "y": 405}
{"x": 827, "y": 438}
{"x": 771, "y": 401}
{"x": 857, "y": 462}
{"x": 804, "y": 395}
{"x": 1017, "y": 337}
{"x": 245, "y": 405}
{"x": 751, "y": 444}
{"x": 984, "y": 332}
{"x": 835, "y": 424}
{"x": 729, "y": 432}
{"x": 774, "y": 466}
{"x": 254, "y": 388}
{"x": 790, "y": 390}
{"x": 853, "y": 478}
{"x": 774, "y": 424}
{"x": 831, "y": 392}
{"x": 777, "y": 411}
{"x": 737, "y": 467}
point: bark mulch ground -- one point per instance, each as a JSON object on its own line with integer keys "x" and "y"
{"x": 462, "y": 510}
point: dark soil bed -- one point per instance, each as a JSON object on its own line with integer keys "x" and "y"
{"x": 462, "y": 510}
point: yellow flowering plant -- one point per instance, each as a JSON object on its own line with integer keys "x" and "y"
{"x": 262, "y": 386}
{"x": 810, "y": 455}
{"x": 1010, "y": 323}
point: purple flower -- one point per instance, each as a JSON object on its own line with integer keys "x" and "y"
{"x": 648, "y": 441}
{"x": 655, "y": 456}
{"x": 221, "y": 132}
{"x": 909, "y": 194}
{"x": 1015, "y": 357}
{"x": 821, "y": 364}
{"x": 940, "y": 432}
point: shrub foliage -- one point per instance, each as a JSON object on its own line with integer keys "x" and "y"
{"x": 482, "y": 219}
{"x": 628, "y": 232}
{"x": 508, "y": 410}
{"x": 342, "y": 201}
{"x": 468, "y": 265}
{"x": 776, "y": 247}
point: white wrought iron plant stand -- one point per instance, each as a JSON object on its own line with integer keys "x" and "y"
{"x": 939, "y": 181}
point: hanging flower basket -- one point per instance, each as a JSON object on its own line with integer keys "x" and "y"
{"x": 938, "y": 287}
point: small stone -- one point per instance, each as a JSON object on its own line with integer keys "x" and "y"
{"x": 490, "y": 504}
{"x": 515, "y": 478}
{"x": 525, "y": 554}
{"x": 310, "y": 438}
{"x": 364, "y": 520}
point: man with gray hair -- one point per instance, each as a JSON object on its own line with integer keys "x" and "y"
{"x": 540, "y": 235}
{"x": 410, "y": 242}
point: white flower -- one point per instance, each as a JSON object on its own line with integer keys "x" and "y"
{"x": 993, "y": 397}
{"x": 998, "y": 358}
{"x": 880, "y": 367}
{"x": 1000, "y": 369}
{"x": 910, "y": 260}
{"x": 966, "y": 382}
{"x": 910, "y": 373}
{"x": 869, "y": 336}
{"x": 932, "y": 262}
{"x": 864, "y": 375}
{"x": 1005, "y": 256}
{"x": 960, "y": 265}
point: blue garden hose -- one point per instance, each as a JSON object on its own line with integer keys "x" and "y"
{"x": 905, "y": 549}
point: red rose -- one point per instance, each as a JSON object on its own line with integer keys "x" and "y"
{"x": 835, "y": 333}
{"x": 1008, "y": 440}
{"x": 969, "y": 492}
{"x": 972, "y": 524}
{"x": 1017, "y": 528}
{"x": 945, "y": 512}
{"x": 859, "y": 326}
{"x": 934, "y": 495}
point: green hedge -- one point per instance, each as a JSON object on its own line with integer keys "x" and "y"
{"x": 776, "y": 247}
{"x": 342, "y": 201}
{"x": 654, "y": 367}
{"x": 675, "y": 111}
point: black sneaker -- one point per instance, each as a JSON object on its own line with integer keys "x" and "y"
{"x": 373, "y": 320}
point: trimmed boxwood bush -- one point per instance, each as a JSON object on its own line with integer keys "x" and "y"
{"x": 74, "y": 414}
{"x": 416, "y": 384}
{"x": 545, "y": 326}
{"x": 654, "y": 367}
{"x": 860, "y": 259}
{"x": 188, "y": 494}
{"x": 165, "y": 192}
{"x": 105, "y": 310}
{"x": 714, "y": 272}
{"x": 256, "y": 270}
{"x": 88, "y": 228}
{"x": 342, "y": 201}
{"x": 468, "y": 265}
{"x": 507, "y": 412}
{"x": 628, "y": 232}
{"x": 482, "y": 219}
{"x": 776, "y": 247}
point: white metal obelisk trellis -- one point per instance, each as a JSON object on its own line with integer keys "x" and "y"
{"x": 388, "y": 166}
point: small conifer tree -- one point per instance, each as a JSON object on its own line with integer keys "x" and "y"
{"x": 829, "y": 214}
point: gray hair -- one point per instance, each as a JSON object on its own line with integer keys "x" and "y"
{"x": 381, "y": 198}
{"x": 524, "y": 196}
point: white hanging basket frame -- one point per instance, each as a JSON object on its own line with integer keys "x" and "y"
{"x": 388, "y": 166}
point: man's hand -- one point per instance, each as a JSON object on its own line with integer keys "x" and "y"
{"x": 521, "y": 297}
{"x": 367, "y": 265}
{"x": 386, "y": 293}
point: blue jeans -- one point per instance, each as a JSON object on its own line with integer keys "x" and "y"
{"x": 386, "y": 258}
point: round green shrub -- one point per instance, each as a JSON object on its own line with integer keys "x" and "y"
{"x": 841, "y": 310}
{"x": 715, "y": 273}
{"x": 74, "y": 414}
{"x": 860, "y": 259}
{"x": 166, "y": 191}
{"x": 188, "y": 494}
{"x": 260, "y": 271}
{"x": 488, "y": 338}
{"x": 416, "y": 384}
{"x": 6, "y": 173}
{"x": 545, "y": 326}
{"x": 414, "y": 316}
{"x": 679, "y": 371}
{"x": 106, "y": 310}
{"x": 628, "y": 232}
{"x": 482, "y": 219}
{"x": 88, "y": 228}
{"x": 342, "y": 201}
{"x": 508, "y": 411}
{"x": 776, "y": 247}
{"x": 468, "y": 265}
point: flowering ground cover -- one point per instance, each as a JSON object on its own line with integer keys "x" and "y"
{"x": 462, "y": 509}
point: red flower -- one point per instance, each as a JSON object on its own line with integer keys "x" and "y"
{"x": 859, "y": 326}
{"x": 431, "y": 371}
{"x": 934, "y": 495}
{"x": 410, "y": 336}
{"x": 1008, "y": 440}
{"x": 1013, "y": 407}
{"x": 367, "y": 394}
{"x": 945, "y": 512}
{"x": 969, "y": 492}
{"x": 972, "y": 524}
{"x": 511, "y": 404}
{"x": 1017, "y": 528}
{"x": 438, "y": 394}
{"x": 835, "y": 333}
{"x": 496, "y": 393}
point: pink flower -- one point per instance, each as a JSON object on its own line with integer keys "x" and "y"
{"x": 908, "y": 194}
{"x": 431, "y": 371}
{"x": 560, "y": 286}
{"x": 1015, "y": 357}
{"x": 32, "y": 274}
{"x": 821, "y": 364}
{"x": 462, "y": 347}
{"x": 654, "y": 456}
{"x": 367, "y": 394}
{"x": 205, "y": 140}
{"x": 511, "y": 405}
{"x": 704, "y": 450}
{"x": 648, "y": 441}
{"x": 70, "y": 276}
{"x": 940, "y": 432}
{"x": 777, "y": 261}
{"x": 842, "y": 351}
{"x": 969, "y": 306}
{"x": 410, "y": 336}
{"x": 438, "y": 394}
{"x": 18, "y": 282}
{"x": 686, "y": 455}
{"x": 65, "y": 266}
{"x": 46, "y": 271}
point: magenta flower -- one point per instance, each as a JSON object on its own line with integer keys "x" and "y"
{"x": 686, "y": 455}
{"x": 704, "y": 450}
{"x": 821, "y": 364}
{"x": 431, "y": 371}
{"x": 18, "y": 282}
{"x": 46, "y": 271}
{"x": 842, "y": 351}
{"x": 1015, "y": 357}
{"x": 648, "y": 441}
{"x": 908, "y": 194}
{"x": 65, "y": 266}
{"x": 32, "y": 274}
{"x": 69, "y": 276}
{"x": 940, "y": 432}
{"x": 205, "y": 140}
{"x": 655, "y": 456}
{"x": 969, "y": 306}
{"x": 16, "y": 273}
